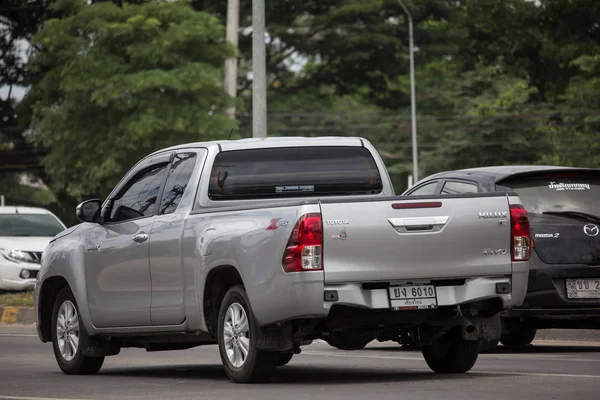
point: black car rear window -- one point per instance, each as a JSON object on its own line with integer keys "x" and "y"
{"x": 558, "y": 191}
{"x": 293, "y": 172}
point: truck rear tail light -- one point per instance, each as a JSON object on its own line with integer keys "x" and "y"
{"x": 305, "y": 246}
{"x": 520, "y": 234}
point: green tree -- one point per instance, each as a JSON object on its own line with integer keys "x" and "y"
{"x": 113, "y": 83}
{"x": 348, "y": 46}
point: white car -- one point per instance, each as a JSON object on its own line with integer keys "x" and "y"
{"x": 24, "y": 234}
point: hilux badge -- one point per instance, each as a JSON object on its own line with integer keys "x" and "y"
{"x": 591, "y": 230}
{"x": 496, "y": 214}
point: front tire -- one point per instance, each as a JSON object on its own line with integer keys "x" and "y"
{"x": 450, "y": 353}
{"x": 237, "y": 330}
{"x": 69, "y": 337}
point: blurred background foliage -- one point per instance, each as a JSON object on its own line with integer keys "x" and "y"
{"x": 103, "y": 83}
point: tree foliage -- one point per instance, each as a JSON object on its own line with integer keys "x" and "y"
{"x": 498, "y": 81}
{"x": 113, "y": 83}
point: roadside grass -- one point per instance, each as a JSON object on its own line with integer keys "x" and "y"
{"x": 16, "y": 299}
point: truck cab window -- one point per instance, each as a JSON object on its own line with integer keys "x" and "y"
{"x": 138, "y": 198}
{"x": 181, "y": 170}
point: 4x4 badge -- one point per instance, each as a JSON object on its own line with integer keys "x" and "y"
{"x": 591, "y": 230}
{"x": 342, "y": 236}
{"x": 92, "y": 247}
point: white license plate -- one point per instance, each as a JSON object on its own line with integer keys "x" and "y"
{"x": 583, "y": 288}
{"x": 413, "y": 297}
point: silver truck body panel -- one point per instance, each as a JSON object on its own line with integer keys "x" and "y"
{"x": 117, "y": 274}
{"x": 386, "y": 244}
{"x": 240, "y": 239}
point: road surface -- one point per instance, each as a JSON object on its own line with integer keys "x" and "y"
{"x": 547, "y": 370}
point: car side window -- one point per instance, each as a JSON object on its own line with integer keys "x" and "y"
{"x": 426, "y": 189}
{"x": 181, "y": 170}
{"x": 456, "y": 187}
{"x": 139, "y": 197}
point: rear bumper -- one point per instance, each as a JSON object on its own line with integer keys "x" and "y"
{"x": 547, "y": 292}
{"x": 473, "y": 290}
{"x": 547, "y": 304}
{"x": 303, "y": 295}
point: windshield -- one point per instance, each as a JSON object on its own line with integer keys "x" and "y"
{"x": 29, "y": 225}
{"x": 566, "y": 192}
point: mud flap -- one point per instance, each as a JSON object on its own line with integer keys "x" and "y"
{"x": 485, "y": 328}
{"x": 275, "y": 338}
{"x": 100, "y": 348}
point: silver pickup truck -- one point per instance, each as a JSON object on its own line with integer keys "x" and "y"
{"x": 263, "y": 245}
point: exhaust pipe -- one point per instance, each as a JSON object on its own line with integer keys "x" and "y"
{"x": 467, "y": 328}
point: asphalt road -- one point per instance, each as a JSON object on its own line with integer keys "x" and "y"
{"x": 547, "y": 370}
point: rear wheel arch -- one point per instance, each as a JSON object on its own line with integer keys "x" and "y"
{"x": 48, "y": 292}
{"x": 218, "y": 281}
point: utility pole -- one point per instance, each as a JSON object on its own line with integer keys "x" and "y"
{"x": 230, "y": 84}
{"x": 259, "y": 70}
{"x": 413, "y": 105}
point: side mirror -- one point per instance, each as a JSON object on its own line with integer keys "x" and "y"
{"x": 89, "y": 210}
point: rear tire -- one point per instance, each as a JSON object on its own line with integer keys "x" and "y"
{"x": 237, "y": 330}
{"x": 69, "y": 337}
{"x": 284, "y": 359}
{"x": 519, "y": 335}
{"x": 350, "y": 340}
{"x": 450, "y": 353}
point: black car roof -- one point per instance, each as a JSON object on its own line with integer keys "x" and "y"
{"x": 498, "y": 173}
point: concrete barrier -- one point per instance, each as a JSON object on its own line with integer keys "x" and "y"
{"x": 17, "y": 315}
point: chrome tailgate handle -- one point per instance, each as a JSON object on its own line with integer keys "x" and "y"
{"x": 418, "y": 224}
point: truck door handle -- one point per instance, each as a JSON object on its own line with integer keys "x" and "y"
{"x": 418, "y": 224}
{"x": 140, "y": 237}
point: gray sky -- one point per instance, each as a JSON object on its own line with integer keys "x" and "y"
{"x": 17, "y": 92}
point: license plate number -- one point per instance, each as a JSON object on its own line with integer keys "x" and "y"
{"x": 413, "y": 297}
{"x": 583, "y": 288}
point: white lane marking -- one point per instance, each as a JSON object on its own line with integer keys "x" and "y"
{"x": 550, "y": 375}
{"x": 572, "y": 359}
{"x": 506, "y": 357}
{"x": 536, "y": 357}
{"x": 327, "y": 354}
{"x": 32, "y": 398}
{"x": 16, "y": 335}
{"x": 566, "y": 343}
{"x": 322, "y": 353}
